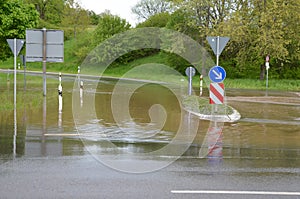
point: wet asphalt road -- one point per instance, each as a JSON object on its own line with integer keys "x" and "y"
{"x": 84, "y": 177}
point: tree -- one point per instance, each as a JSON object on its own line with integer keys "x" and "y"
{"x": 264, "y": 27}
{"x": 147, "y": 8}
{"x": 206, "y": 14}
{"x": 93, "y": 17}
{"x": 182, "y": 21}
{"x": 75, "y": 16}
{"x": 256, "y": 28}
{"x": 108, "y": 26}
{"x": 49, "y": 10}
{"x": 15, "y": 18}
{"x": 157, "y": 20}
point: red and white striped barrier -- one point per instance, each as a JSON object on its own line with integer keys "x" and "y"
{"x": 216, "y": 94}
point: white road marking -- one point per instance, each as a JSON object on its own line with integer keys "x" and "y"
{"x": 236, "y": 192}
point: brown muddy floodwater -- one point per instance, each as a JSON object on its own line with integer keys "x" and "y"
{"x": 269, "y": 129}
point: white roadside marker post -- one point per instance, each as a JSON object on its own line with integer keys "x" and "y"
{"x": 267, "y": 76}
{"x": 78, "y": 73}
{"x": 81, "y": 93}
{"x": 60, "y": 102}
{"x": 201, "y": 85}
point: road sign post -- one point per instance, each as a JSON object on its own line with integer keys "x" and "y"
{"x": 190, "y": 72}
{"x": 15, "y": 72}
{"x": 217, "y": 74}
{"x": 44, "y": 61}
{"x": 218, "y": 48}
{"x": 15, "y": 46}
{"x": 217, "y": 44}
{"x": 44, "y": 46}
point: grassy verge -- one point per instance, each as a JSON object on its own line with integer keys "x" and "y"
{"x": 133, "y": 70}
{"x": 273, "y": 84}
{"x": 163, "y": 76}
{"x": 201, "y": 105}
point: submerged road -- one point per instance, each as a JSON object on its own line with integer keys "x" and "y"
{"x": 84, "y": 177}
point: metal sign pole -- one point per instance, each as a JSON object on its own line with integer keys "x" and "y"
{"x": 218, "y": 48}
{"x": 15, "y": 45}
{"x": 190, "y": 82}
{"x": 190, "y": 72}
{"x": 15, "y": 72}
{"x": 215, "y": 108}
{"x": 44, "y": 46}
{"x": 24, "y": 65}
{"x": 15, "y": 99}
{"x": 44, "y": 61}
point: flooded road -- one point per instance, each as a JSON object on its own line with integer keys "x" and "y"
{"x": 259, "y": 152}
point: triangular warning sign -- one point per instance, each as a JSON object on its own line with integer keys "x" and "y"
{"x": 19, "y": 45}
{"x": 213, "y": 42}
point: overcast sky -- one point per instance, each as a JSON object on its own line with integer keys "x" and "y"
{"x": 121, "y": 8}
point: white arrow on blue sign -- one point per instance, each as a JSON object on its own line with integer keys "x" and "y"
{"x": 217, "y": 74}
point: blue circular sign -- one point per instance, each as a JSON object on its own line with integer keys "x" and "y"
{"x": 190, "y": 71}
{"x": 217, "y": 74}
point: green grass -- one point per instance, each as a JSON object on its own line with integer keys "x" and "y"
{"x": 149, "y": 68}
{"x": 273, "y": 84}
{"x": 201, "y": 105}
{"x": 119, "y": 70}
